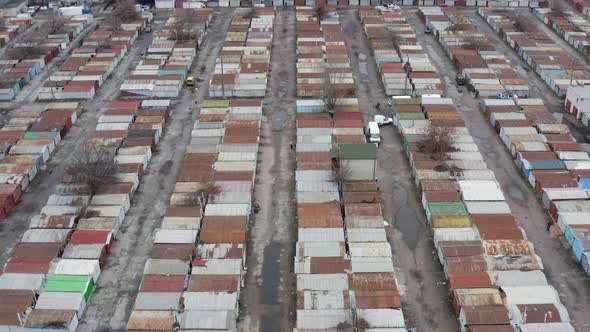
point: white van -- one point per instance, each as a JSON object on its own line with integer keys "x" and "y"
{"x": 372, "y": 132}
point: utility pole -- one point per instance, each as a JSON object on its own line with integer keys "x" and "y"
{"x": 572, "y": 72}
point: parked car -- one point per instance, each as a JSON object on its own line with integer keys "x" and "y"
{"x": 190, "y": 81}
{"x": 460, "y": 79}
{"x": 382, "y": 120}
{"x": 373, "y": 133}
{"x": 427, "y": 31}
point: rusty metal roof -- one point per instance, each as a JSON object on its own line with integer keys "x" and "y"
{"x": 486, "y": 315}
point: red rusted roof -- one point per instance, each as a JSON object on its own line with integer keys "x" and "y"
{"x": 162, "y": 283}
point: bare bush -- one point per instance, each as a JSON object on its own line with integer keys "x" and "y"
{"x": 362, "y": 324}
{"x": 523, "y": 23}
{"x": 31, "y": 50}
{"x": 200, "y": 197}
{"x": 331, "y": 92}
{"x": 559, "y": 6}
{"x": 320, "y": 10}
{"x": 93, "y": 166}
{"x": 250, "y": 14}
{"x": 55, "y": 22}
{"x": 124, "y": 12}
{"x": 341, "y": 173}
{"x": 437, "y": 142}
{"x": 395, "y": 38}
{"x": 183, "y": 26}
{"x": 474, "y": 42}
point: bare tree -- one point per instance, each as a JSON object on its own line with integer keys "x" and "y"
{"x": 342, "y": 172}
{"x": 200, "y": 197}
{"x": 124, "y": 12}
{"x": 183, "y": 26}
{"x": 55, "y": 22}
{"x": 29, "y": 49}
{"x": 474, "y": 42}
{"x": 559, "y": 6}
{"x": 523, "y": 23}
{"x": 362, "y": 324}
{"x": 395, "y": 38}
{"x": 320, "y": 10}
{"x": 331, "y": 92}
{"x": 250, "y": 14}
{"x": 92, "y": 165}
{"x": 458, "y": 23}
{"x": 437, "y": 142}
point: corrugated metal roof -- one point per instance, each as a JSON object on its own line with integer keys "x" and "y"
{"x": 472, "y": 190}
{"x": 517, "y": 278}
{"x": 320, "y": 249}
{"x": 369, "y": 249}
{"x": 221, "y": 251}
{"x": 322, "y": 282}
{"x": 323, "y": 319}
{"x": 207, "y": 320}
{"x": 174, "y": 236}
{"x": 371, "y": 264}
{"x": 217, "y": 266}
{"x": 166, "y": 266}
{"x": 366, "y": 235}
{"x": 61, "y": 301}
{"x": 547, "y": 327}
{"x": 210, "y": 300}
{"x": 21, "y": 281}
{"x": 157, "y": 301}
{"x": 382, "y": 318}
{"x": 321, "y": 234}
{"x": 364, "y": 222}
{"x": 530, "y": 294}
{"x": 321, "y": 300}
{"x": 151, "y": 320}
{"x": 317, "y": 186}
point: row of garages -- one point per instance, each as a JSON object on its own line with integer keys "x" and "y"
{"x": 195, "y": 272}
{"x": 487, "y": 72}
{"x": 547, "y": 59}
{"x": 495, "y": 278}
{"x": 573, "y": 28}
{"x": 27, "y": 142}
{"x": 551, "y": 160}
{"x": 323, "y": 66}
{"x": 163, "y": 71}
{"x": 169, "y": 4}
{"x": 12, "y": 27}
{"x": 90, "y": 65}
{"x": 343, "y": 261}
{"x": 52, "y": 272}
{"x": 27, "y": 59}
{"x": 402, "y": 62}
{"x": 240, "y": 69}
{"x": 193, "y": 278}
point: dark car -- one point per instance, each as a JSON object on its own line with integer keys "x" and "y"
{"x": 460, "y": 79}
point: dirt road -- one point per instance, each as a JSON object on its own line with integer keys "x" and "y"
{"x": 421, "y": 280}
{"x": 119, "y": 281}
{"x": 267, "y": 299}
{"x": 560, "y": 267}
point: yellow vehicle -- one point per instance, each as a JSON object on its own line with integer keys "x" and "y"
{"x": 190, "y": 81}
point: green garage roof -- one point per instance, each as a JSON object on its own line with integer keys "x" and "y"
{"x": 355, "y": 151}
{"x": 70, "y": 283}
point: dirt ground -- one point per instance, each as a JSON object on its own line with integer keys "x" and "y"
{"x": 267, "y": 299}
{"x": 562, "y": 271}
{"x": 120, "y": 279}
{"x": 36, "y": 195}
{"x": 420, "y": 278}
